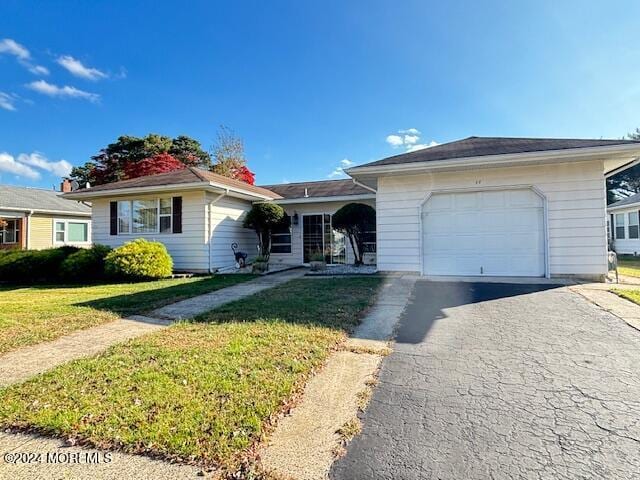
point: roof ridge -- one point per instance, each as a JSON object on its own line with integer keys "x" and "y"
{"x": 308, "y": 181}
{"x": 196, "y": 172}
{"x": 30, "y": 188}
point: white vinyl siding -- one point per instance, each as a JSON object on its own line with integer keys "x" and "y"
{"x": 226, "y": 217}
{"x": 575, "y": 196}
{"x": 188, "y": 249}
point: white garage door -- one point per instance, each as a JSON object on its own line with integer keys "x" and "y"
{"x": 497, "y": 232}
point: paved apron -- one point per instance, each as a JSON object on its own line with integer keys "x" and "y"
{"x": 503, "y": 381}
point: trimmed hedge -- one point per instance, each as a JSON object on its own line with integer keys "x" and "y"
{"x": 31, "y": 266}
{"x": 139, "y": 259}
{"x": 85, "y": 265}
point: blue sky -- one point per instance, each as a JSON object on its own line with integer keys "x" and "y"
{"x": 308, "y": 84}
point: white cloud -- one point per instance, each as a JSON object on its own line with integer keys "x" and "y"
{"x": 421, "y": 146}
{"x": 75, "y": 67}
{"x": 395, "y": 140}
{"x": 8, "y": 164}
{"x": 37, "y": 69}
{"x": 12, "y": 47}
{"x": 22, "y": 54}
{"x": 61, "y": 168}
{"x": 345, "y": 162}
{"x": 408, "y": 139}
{"x": 7, "y": 101}
{"x": 339, "y": 170}
{"x": 52, "y": 90}
{"x": 410, "y": 131}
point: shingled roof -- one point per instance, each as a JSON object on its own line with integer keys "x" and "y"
{"x": 326, "y": 188}
{"x": 24, "y": 198}
{"x": 178, "y": 177}
{"x": 484, "y": 146}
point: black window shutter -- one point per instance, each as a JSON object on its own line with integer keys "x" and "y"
{"x": 177, "y": 215}
{"x": 113, "y": 208}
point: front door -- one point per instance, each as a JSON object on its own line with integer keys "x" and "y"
{"x": 318, "y": 237}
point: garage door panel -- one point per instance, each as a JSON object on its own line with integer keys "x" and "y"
{"x": 484, "y": 233}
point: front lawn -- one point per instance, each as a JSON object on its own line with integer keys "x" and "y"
{"x": 35, "y": 314}
{"x": 629, "y": 266}
{"x": 201, "y": 392}
{"x": 633, "y": 295}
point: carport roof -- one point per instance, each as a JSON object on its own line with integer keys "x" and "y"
{"x": 484, "y": 146}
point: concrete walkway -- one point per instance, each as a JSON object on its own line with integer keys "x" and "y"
{"x": 26, "y": 362}
{"x": 304, "y": 443}
{"x": 195, "y": 306}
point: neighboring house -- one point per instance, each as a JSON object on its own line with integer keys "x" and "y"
{"x": 474, "y": 207}
{"x": 623, "y": 225}
{"x": 35, "y": 219}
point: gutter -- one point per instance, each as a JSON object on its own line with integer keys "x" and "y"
{"x": 210, "y": 223}
{"x": 174, "y": 187}
{"x": 44, "y": 210}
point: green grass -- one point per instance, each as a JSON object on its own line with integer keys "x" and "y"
{"x": 629, "y": 266}
{"x": 203, "y": 392}
{"x": 30, "y": 315}
{"x": 633, "y": 295}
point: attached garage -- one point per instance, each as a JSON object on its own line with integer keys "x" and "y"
{"x": 493, "y": 232}
{"x": 516, "y": 207}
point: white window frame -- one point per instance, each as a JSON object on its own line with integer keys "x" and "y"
{"x": 617, "y": 225}
{"x": 158, "y": 216}
{"x": 16, "y": 229}
{"x": 66, "y": 222}
{"x": 637, "y": 225}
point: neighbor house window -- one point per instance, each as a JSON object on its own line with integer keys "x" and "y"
{"x": 10, "y": 232}
{"x": 633, "y": 224}
{"x": 620, "y": 225}
{"x": 145, "y": 216}
{"x": 71, "y": 231}
{"x": 281, "y": 239}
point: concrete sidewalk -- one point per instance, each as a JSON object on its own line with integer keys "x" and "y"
{"x": 29, "y": 361}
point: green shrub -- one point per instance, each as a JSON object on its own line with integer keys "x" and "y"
{"x": 85, "y": 265}
{"x": 139, "y": 259}
{"x": 30, "y": 266}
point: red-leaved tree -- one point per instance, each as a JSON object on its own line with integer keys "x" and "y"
{"x": 160, "y": 163}
{"x": 245, "y": 175}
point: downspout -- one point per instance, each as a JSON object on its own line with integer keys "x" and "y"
{"x": 28, "y": 230}
{"x": 363, "y": 185}
{"x": 210, "y": 223}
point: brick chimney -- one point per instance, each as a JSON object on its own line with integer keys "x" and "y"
{"x": 65, "y": 185}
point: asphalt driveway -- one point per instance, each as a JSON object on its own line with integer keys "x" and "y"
{"x": 502, "y": 381}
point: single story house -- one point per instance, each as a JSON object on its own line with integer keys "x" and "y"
{"x": 34, "y": 218}
{"x": 474, "y": 207}
{"x": 623, "y": 225}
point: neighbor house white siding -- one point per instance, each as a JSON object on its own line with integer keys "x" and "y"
{"x": 575, "y": 198}
{"x": 188, "y": 249}
{"x": 626, "y": 245}
{"x": 295, "y": 257}
{"x": 226, "y": 216}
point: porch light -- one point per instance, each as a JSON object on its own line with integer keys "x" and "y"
{"x": 294, "y": 218}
